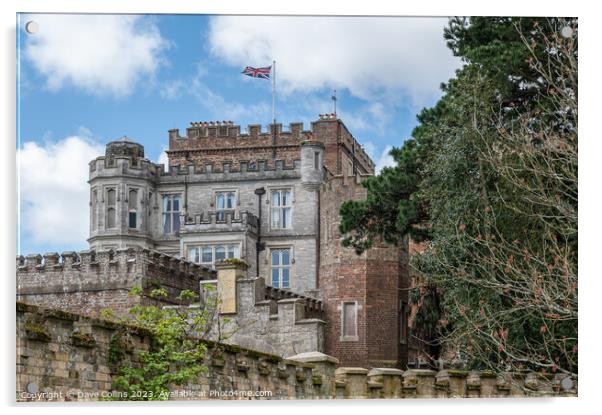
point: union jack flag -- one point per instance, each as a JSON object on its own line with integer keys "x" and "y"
{"x": 263, "y": 73}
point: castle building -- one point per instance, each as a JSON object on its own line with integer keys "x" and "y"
{"x": 272, "y": 199}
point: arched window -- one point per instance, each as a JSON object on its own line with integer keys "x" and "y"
{"x": 110, "y": 217}
{"x": 133, "y": 208}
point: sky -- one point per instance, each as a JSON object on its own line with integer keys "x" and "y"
{"x": 85, "y": 80}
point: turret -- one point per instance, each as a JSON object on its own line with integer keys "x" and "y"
{"x": 121, "y": 195}
{"x": 312, "y": 160}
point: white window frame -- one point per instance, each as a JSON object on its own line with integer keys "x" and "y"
{"x": 344, "y": 336}
{"x": 170, "y": 213}
{"x": 220, "y": 213}
{"x": 280, "y": 266}
{"x": 281, "y": 208}
{"x": 213, "y": 245}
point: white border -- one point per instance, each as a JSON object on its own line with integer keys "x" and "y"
{"x": 589, "y": 187}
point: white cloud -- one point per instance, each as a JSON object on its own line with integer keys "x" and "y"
{"x": 53, "y": 189}
{"x": 163, "y": 157}
{"x": 212, "y": 101}
{"x": 370, "y": 56}
{"x": 385, "y": 160}
{"x": 218, "y": 106}
{"x": 172, "y": 89}
{"x": 100, "y": 54}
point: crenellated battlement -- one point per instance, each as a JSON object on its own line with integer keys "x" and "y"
{"x": 104, "y": 166}
{"x": 208, "y": 172}
{"x": 223, "y": 140}
{"x": 209, "y": 169}
{"x": 126, "y": 258}
{"x": 312, "y": 307}
{"x": 301, "y": 375}
{"x": 227, "y": 129}
{"x": 265, "y": 318}
{"x": 211, "y": 221}
{"x": 89, "y": 281}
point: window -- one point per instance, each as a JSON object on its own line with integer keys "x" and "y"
{"x": 93, "y": 201}
{"x": 171, "y": 213}
{"x": 110, "y": 223}
{"x": 210, "y": 254}
{"x": 133, "y": 209}
{"x": 316, "y": 160}
{"x": 349, "y": 321}
{"x": 281, "y": 209}
{"x": 281, "y": 267}
{"x": 403, "y": 318}
{"x": 224, "y": 202}
{"x": 350, "y": 169}
{"x": 150, "y": 202}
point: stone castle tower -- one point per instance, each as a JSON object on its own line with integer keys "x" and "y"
{"x": 272, "y": 199}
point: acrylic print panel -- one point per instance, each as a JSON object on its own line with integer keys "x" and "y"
{"x": 296, "y": 207}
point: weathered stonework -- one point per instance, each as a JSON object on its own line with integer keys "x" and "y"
{"x": 89, "y": 282}
{"x": 169, "y": 216}
{"x": 60, "y": 369}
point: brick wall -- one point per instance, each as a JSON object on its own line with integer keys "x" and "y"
{"x": 372, "y": 279}
{"x": 222, "y": 142}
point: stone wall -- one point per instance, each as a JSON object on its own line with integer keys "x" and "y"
{"x": 62, "y": 356}
{"x": 90, "y": 281}
{"x": 264, "y": 318}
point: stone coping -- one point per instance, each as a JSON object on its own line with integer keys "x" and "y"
{"x": 351, "y": 371}
{"x": 379, "y": 371}
{"x": 313, "y": 357}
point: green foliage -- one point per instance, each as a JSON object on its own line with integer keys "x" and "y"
{"x": 489, "y": 180}
{"x": 390, "y": 211}
{"x": 176, "y": 351}
{"x": 117, "y": 348}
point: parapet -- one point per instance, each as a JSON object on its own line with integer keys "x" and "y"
{"x": 46, "y": 345}
{"x": 89, "y": 281}
{"x": 210, "y": 220}
{"x": 266, "y": 318}
{"x": 90, "y": 260}
{"x": 105, "y": 166}
{"x": 228, "y": 129}
{"x": 212, "y": 170}
{"x": 312, "y": 307}
{"x": 208, "y": 172}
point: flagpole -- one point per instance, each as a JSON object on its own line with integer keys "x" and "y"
{"x": 274, "y": 110}
{"x": 274, "y": 95}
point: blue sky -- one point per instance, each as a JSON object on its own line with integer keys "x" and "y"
{"x": 85, "y": 80}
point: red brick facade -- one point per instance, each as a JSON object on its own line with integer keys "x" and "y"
{"x": 222, "y": 144}
{"x": 374, "y": 280}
